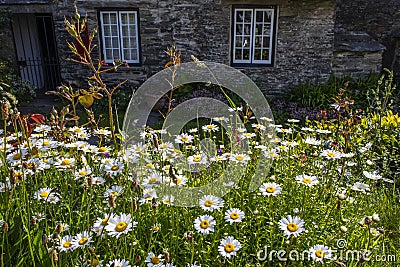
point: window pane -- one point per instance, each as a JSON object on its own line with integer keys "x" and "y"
{"x": 124, "y": 18}
{"x": 107, "y": 31}
{"x": 246, "y": 42}
{"x": 115, "y": 42}
{"x": 125, "y": 42}
{"x": 267, "y": 29}
{"x": 239, "y": 29}
{"x": 267, "y": 15}
{"x": 239, "y": 16}
{"x": 116, "y": 54}
{"x": 106, "y": 18}
{"x": 132, "y": 31}
{"x": 238, "y": 42}
{"x": 114, "y": 30}
{"x": 265, "y": 54}
{"x": 113, "y": 18}
{"x": 125, "y": 31}
{"x": 247, "y": 28}
{"x": 132, "y": 18}
{"x": 259, "y": 16}
{"x": 133, "y": 42}
{"x": 257, "y": 42}
{"x": 258, "y": 28}
{"x": 109, "y": 54}
{"x": 246, "y": 54}
{"x": 257, "y": 54}
{"x": 266, "y": 41}
{"x": 238, "y": 54}
{"x": 107, "y": 43}
{"x": 248, "y": 16}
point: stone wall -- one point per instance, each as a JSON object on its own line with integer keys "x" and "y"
{"x": 304, "y": 49}
{"x": 380, "y": 19}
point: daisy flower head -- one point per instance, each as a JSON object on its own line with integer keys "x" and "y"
{"x": 197, "y": 159}
{"x": 210, "y": 128}
{"x": 66, "y": 244}
{"x": 234, "y": 215}
{"x": 360, "y": 187}
{"x": 148, "y": 195}
{"x": 153, "y": 179}
{"x": 270, "y": 189}
{"x": 372, "y": 175}
{"x": 81, "y": 240}
{"x": 44, "y": 193}
{"x": 64, "y": 163}
{"x": 115, "y": 191}
{"x": 153, "y": 260}
{"x": 331, "y": 154}
{"x": 204, "y": 224}
{"x": 247, "y": 135}
{"x": 102, "y": 132}
{"x": 184, "y": 138}
{"x": 38, "y": 216}
{"x": 228, "y": 247}
{"x": 102, "y": 222}
{"x": 312, "y": 141}
{"x": 258, "y": 126}
{"x": 118, "y": 262}
{"x": 211, "y": 203}
{"x": 113, "y": 167}
{"x": 83, "y": 172}
{"x": 320, "y": 252}
{"x": 120, "y": 224}
{"x": 239, "y": 158}
{"x": 307, "y": 180}
{"x": 291, "y": 226}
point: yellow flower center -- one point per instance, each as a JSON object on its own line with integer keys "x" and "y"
{"x": 156, "y": 228}
{"x": 210, "y": 127}
{"x": 149, "y": 165}
{"x": 46, "y": 143}
{"x": 114, "y": 193}
{"x": 229, "y": 247}
{"x": 115, "y": 168}
{"x": 67, "y": 244}
{"x": 330, "y": 154}
{"x": 102, "y": 149}
{"x": 44, "y": 194}
{"x": 204, "y": 224}
{"x": 104, "y": 222}
{"x": 155, "y": 260}
{"x": 208, "y": 203}
{"x": 95, "y": 262}
{"x": 292, "y": 227}
{"x": 185, "y": 138}
{"x": 320, "y": 253}
{"x": 153, "y": 180}
{"x": 306, "y": 180}
{"x": 121, "y": 226}
{"x": 234, "y": 215}
{"x": 66, "y": 162}
{"x": 82, "y": 241}
{"x": 82, "y": 173}
{"x": 17, "y": 156}
{"x": 197, "y": 158}
{"x": 239, "y": 158}
{"x": 270, "y": 189}
{"x": 77, "y": 130}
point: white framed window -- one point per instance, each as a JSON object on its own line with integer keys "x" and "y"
{"x": 120, "y": 36}
{"x": 253, "y": 35}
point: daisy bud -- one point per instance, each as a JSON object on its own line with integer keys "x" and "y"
{"x": 90, "y": 181}
{"x": 5, "y": 227}
{"x": 341, "y": 196}
{"x": 375, "y": 217}
{"x": 45, "y": 240}
{"x": 223, "y": 262}
{"x": 54, "y": 256}
{"x": 343, "y": 229}
{"x": 111, "y": 200}
{"x": 59, "y": 228}
{"x": 166, "y": 256}
{"x": 91, "y": 250}
{"x": 296, "y": 211}
{"x": 256, "y": 212}
{"x": 33, "y": 221}
{"x": 134, "y": 205}
{"x": 189, "y": 237}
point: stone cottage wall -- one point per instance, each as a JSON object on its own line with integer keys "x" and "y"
{"x": 304, "y": 49}
{"x": 380, "y": 19}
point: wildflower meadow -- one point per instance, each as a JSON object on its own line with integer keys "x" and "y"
{"x": 72, "y": 194}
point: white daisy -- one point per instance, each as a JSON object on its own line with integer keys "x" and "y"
{"x": 184, "y": 138}
{"x": 331, "y": 154}
{"x": 120, "y": 224}
{"x": 66, "y": 244}
{"x": 270, "y": 189}
{"x": 320, "y": 252}
{"x": 197, "y": 159}
{"x": 153, "y": 260}
{"x": 83, "y": 172}
{"x": 307, "y": 180}
{"x": 81, "y": 240}
{"x": 64, "y": 163}
{"x": 312, "y": 141}
{"x": 210, "y": 128}
{"x": 43, "y": 193}
{"x": 239, "y": 158}
{"x": 292, "y": 226}
{"x": 211, "y": 203}
{"x": 234, "y": 215}
{"x": 360, "y": 187}
{"x": 153, "y": 179}
{"x": 204, "y": 224}
{"x": 228, "y": 247}
{"x": 372, "y": 175}
{"x": 118, "y": 263}
{"x": 113, "y": 167}
{"x": 115, "y": 190}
